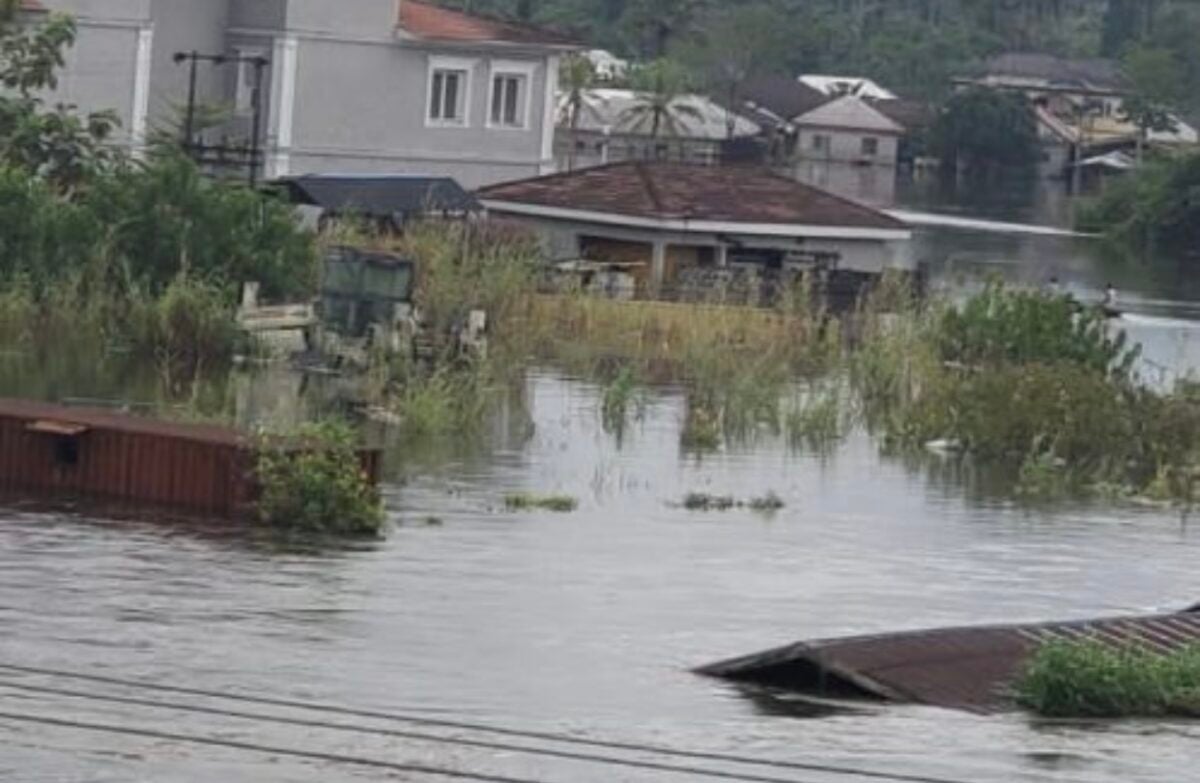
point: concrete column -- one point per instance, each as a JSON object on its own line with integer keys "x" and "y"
{"x": 722, "y": 255}
{"x": 658, "y": 266}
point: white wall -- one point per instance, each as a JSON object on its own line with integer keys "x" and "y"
{"x": 846, "y": 146}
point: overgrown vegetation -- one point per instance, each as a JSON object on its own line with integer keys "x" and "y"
{"x": 702, "y": 501}
{"x": 1091, "y": 679}
{"x": 1152, "y": 211}
{"x": 312, "y": 481}
{"x": 100, "y": 249}
{"x": 1021, "y": 380}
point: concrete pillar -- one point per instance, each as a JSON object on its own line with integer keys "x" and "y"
{"x": 658, "y": 266}
{"x": 722, "y": 255}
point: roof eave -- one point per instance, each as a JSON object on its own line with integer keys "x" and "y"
{"x": 486, "y": 43}
{"x": 676, "y": 224}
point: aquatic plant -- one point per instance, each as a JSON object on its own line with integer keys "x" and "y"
{"x": 815, "y": 419}
{"x": 703, "y": 501}
{"x": 528, "y": 501}
{"x": 622, "y": 395}
{"x": 1090, "y": 679}
{"x": 312, "y": 481}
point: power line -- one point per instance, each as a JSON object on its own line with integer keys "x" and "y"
{"x": 480, "y": 728}
{"x": 334, "y": 758}
{"x": 411, "y": 735}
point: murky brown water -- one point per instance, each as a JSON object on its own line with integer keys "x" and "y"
{"x": 587, "y": 623}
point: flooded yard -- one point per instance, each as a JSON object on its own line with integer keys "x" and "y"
{"x": 585, "y": 624}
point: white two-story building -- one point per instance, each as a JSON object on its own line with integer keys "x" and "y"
{"x": 368, "y": 86}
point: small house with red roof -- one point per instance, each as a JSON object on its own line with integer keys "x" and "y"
{"x": 347, "y": 86}
{"x": 663, "y": 219}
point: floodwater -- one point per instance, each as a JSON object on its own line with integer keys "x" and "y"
{"x": 587, "y": 624}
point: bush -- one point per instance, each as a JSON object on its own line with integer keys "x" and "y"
{"x": 1089, "y": 679}
{"x": 1020, "y": 327}
{"x": 313, "y": 482}
{"x": 1153, "y": 208}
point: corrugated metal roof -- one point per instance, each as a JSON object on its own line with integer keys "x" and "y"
{"x": 968, "y": 668}
{"x": 382, "y": 195}
{"x": 850, "y": 113}
{"x": 692, "y": 116}
{"x": 64, "y": 416}
{"x": 672, "y": 191}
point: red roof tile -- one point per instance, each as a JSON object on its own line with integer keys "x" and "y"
{"x": 671, "y": 191}
{"x": 441, "y": 24}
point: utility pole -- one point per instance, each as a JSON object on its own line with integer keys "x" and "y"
{"x": 224, "y": 154}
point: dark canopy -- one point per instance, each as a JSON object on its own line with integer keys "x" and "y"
{"x": 379, "y": 196}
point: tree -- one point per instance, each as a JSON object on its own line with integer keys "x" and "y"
{"x": 576, "y": 76}
{"x": 660, "y": 87}
{"x": 736, "y": 43}
{"x": 656, "y": 24}
{"x": 1156, "y": 77}
{"x": 56, "y": 143}
{"x": 986, "y": 129}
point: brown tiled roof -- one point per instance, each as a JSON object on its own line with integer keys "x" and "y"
{"x": 32, "y": 5}
{"x": 434, "y": 23}
{"x": 673, "y": 191}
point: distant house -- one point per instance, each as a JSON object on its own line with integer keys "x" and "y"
{"x": 1077, "y": 104}
{"x": 611, "y": 128}
{"x": 369, "y": 86}
{"x": 606, "y": 65}
{"x": 837, "y": 86}
{"x": 667, "y": 220}
{"x": 848, "y": 130}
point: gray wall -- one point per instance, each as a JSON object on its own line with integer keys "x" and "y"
{"x": 182, "y": 26}
{"x": 369, "y": 18}
{"x": 100, "y": 69}
{"x": 363, "y": 107}
{"x": 262, "y": 14}
{"x": 846, "y": 146}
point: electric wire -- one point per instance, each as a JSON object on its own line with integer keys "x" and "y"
{"x": 410, "y": 735}
{"x": 254, "y": 747}
{"x": 330, "y": 709}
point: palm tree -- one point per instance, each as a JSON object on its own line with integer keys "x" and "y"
{"x": 660, "y": 89}
{"x": 576, "y": 76}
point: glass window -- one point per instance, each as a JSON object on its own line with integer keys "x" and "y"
{"x": 508, "y": 100}
{"x": 870, "y": 146}
{"x": 447, "y": 96}
{"x": 820, "y": 143}
{"x": 245, "y": 98}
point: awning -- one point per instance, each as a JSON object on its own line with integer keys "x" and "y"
{"x": 379, "y": 196}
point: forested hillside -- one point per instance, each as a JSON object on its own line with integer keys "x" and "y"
{"x": 911, "y": 46}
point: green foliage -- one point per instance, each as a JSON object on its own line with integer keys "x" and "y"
{"x": 815, "y": 419}
{"x": 313, "y": 482}
{"x": 1091, "y": 679}
{"x": 659, "y": 105}
{"x": 527, "y": 501}
{"x": 57, "y": 144}
{"x": 702, "y": 501}
{"x": 447, "y": 401}
{"x": 1021, "y": 327}
{"x": 1154, "y": 209}
{"x": 621, "y": 396}
{"x": 985, "y": 129}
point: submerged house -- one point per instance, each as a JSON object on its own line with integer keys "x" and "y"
{"x": 848, "y": 130}
{"x": 665, "y": 221}
{"x": 1077, "y": 104}
{"x": 369, "y": 86}
{"x": 614, "y": 125}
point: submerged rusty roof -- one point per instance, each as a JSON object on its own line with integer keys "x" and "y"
{"x": 969, "y": 668}
{"x": 44, "y": 415}
{"x": 676, "y": 191}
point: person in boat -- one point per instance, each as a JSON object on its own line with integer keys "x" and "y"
{"x": 1109, "y": 305}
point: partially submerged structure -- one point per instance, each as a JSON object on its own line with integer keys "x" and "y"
{"x": 55, "y": 451}
{"x": 970, "y": 668}
{"x": 664, "y": 222}
{"x": 387, "y": 200}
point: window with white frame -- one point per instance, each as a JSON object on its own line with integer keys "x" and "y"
{"x": 449, "y": 92}
{"x": 508, "y": 101}
{"x": 244, "y": 97}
